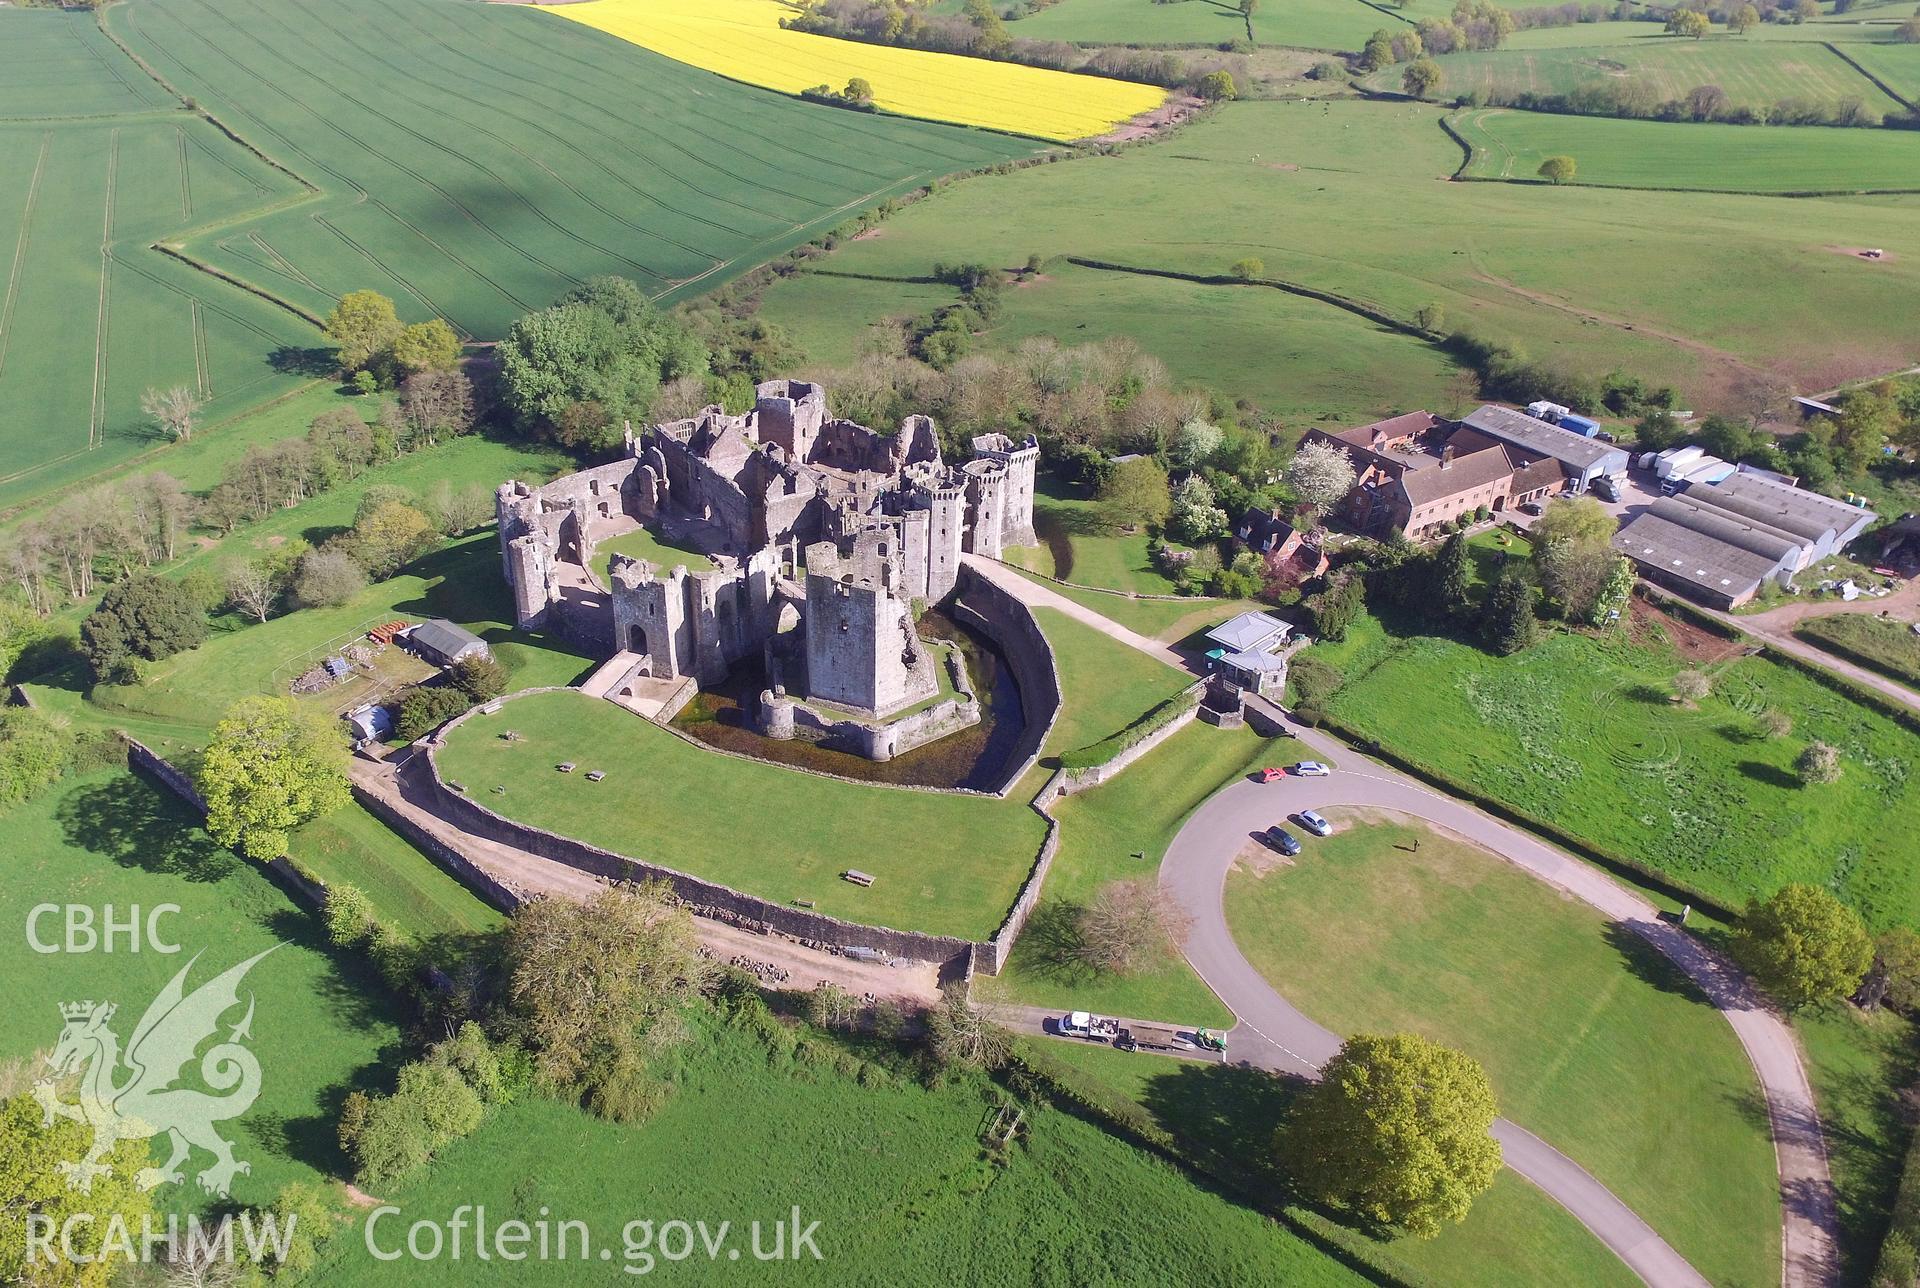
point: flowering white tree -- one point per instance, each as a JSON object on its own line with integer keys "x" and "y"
{"x": 1320, "y": 475}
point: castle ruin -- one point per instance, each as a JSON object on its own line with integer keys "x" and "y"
{"x": 826, "y": 537}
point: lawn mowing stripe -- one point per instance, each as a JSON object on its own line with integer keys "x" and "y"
{"x": 20, "y": 249}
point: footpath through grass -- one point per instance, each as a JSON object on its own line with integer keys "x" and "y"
{"x": 1105, "y": 685}
{"x": 1889, "y": 647}
{"x": 942, "y": 863}
{"x": 1592, "y": 1039}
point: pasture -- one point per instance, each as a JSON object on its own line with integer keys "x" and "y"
{"x": 323, "y": 1025}
{"x": 1580, "y": 730}
{"x": 743, "y": 40}
{"x": 1756, "y": 74}
{"x": 944, "y": 864}
{"x": 1887, "y": 646}
{"x": 1650, "y": 154}
{"x": 1302, "y": 24}
{"x": 1323, "y": 194}
{"x": 1592, "y": 1040}
{"x": 894, "y": 1171}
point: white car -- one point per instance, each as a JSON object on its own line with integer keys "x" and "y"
{"x": 1315, "y": 824}
{"x": 1311, "y": 769}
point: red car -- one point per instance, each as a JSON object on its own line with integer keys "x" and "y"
{"x": 1272, "y": 774}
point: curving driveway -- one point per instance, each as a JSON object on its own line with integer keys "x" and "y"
{"x": 1274, "y": 1034}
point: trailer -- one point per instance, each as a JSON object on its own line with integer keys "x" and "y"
{"x": 1153, "y": 1037}
{"x": 1551, "y": 412}
{"x": 1676, "y": 460}
{"x": 1705, "y": 469}
{"x": 1585, "y": 426}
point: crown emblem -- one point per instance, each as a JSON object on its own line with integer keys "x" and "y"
{"x": 76, "y": 1010}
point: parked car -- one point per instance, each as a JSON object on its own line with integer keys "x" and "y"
{"x": 1532, "y": 507}
{"x": 1311, "y": 769}
{"x": 1271, "y": 774}
{"x": 1314, "y": 823}
{"x": 1283, "y": 840}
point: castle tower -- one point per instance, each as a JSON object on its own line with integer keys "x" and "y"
{"x": 790, "y": 413}
{"x": 986, "y": 495}
{"x": 945, "y": 501}
{"x": 1021, "y": 462}
{"x": 862, "y": 650}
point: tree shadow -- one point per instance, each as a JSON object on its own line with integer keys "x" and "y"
{"x": 140, "y": 825}
{"x": 1646, "y": 694}
{"x": 1229, "y": 1109}
{"x": 1052, "y": 942}
{"x": 1771, "y": 775}
{"x": 53, "y": 660}
{"x": 313, "y": 363}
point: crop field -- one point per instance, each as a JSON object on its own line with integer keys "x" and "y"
{"x": 1586, "y": 278}
{"x": 1754, "y": 75}
{"x": 89, "y": 317}
{"x": 893, "y": 1171}
{"x": 1592, "y": 1040}
{"x": 1896, "y": 66}
{"x": 1581, "y": 731}
{"x": 1304, "y": 24}
{"x": 324, "y": 1024}
{"x": 743, "y": 40}
{"x": 1652, "y": 154}
{"x": 756, "y": 827}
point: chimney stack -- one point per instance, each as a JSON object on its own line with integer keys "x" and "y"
{"x": 1446, "y": 456}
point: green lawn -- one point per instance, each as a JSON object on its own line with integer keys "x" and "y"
{"x": 1515, "y": 1236}
{"x": 1889, "y": 647}
{"x": 1579, "y": 730}
{"x": 1100, "y": 832}
{"x": 1752, "y": 73}
{"x": 944, "y": 864}
{"x": 1509, "y": 144}
{"x": 1166, "y": 620}
{"x": 642, "y": 543}
{"x": 409, "y": 891}
{"x": 1104, "y": 685}
{"x": 323, "y": 1023}
{"x": 1319, "y": 192}
{"x": 893, "y": 1171}
{"x": 1076, "y": 546}
{"x": 460, "y": 582}
{"x": 1859, "y": 1065}
{"x": 1593, "y": 1041}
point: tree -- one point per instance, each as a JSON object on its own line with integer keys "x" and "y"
{"x": 426, "y": 346}
{"x": 1658, "y": 430}
{"x": 387, "y": 535}
{"x": 1705, "y": 102}
{"x": 1378, "y": 52}
{"x": 1397, "y": 1130}
{"x": 142, "y": 617}
{"x": 1688, "y": 22}
{"x": 1894, "y": 976}
{"x": 1819, "y": 763}
{"x": 1578, "y": 575}
{"x": 858, "y": 90}
{"x": 1452, "y": 592}
{"x": 1510, "y": 623}
{"x": 1908, "y": 32}
{"x": 1320, "y": 475}
{"x": 1195, "y": 443}
{"x": 437, "y": 405}
{"x": 480, "y": 677}
{"x": 425, "y": 707}
{"x": 1558, "y": 169}
{"x": 1128, "y": 925}
{"x": 1196, "y": 517}
{"x": 960, "y": 1034}
{"x": 1431, "y": 318}
{"x": 1776, "y": 723}
{"x": 268, "y": 769}
{"x": 253, "y": 586}
{"x": 35, "y": 752}
{"x": 1803, "y": 945}
{"x": 594, "y": 986}
{"x": 1338, "y": 607}
{"x": 1134, "y": 496}
{"x": 326, "y": 578}
{"x": 1247, "y": 269}
{"x": 364, "y": 326}
{"x": 1692, "y": 685}
{"x": 1217, "y": 86}
{"x": 1422, "y": 78}
{"x": 349, "y": 914}
{"x": 172, "y": 410}
{"x": 1578, "y": 519}
{"x": 31, "y": 1184}
{"x": 1743, "y": 20}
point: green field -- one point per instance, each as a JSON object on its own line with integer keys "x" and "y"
{"x": 1320, "y": 192}
{"x": 1104, "y": 685}
{"x": 323, "y": 1025}
{"x": 1895, "y": 66}
{"x": 1753, "y": 73}
{"x": 1592, "y": 1039}
{"x": 408, "y": 891}
{"x": 1889, "y": 647}
{"x": 754, "y": 826}
{"x": 1306, "y": 24}
{"x": 894, "y": 1172}
{"x": 1649, "y": 154}
{"x": 101, "y": 167}
{"x": 1076, "y": 546}
{"x": 643, "y": 543}
{"x": 1579, "y": 730}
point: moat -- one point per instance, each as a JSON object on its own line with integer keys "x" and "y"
{"x": 974, "y": 757}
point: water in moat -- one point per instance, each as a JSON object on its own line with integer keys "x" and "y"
{"x": 975, "y": 757}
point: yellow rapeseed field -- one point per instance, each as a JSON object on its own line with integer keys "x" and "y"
{"x": 743, "y": 39}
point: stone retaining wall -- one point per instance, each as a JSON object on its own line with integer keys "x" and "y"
{"x": 1011, "y": 626}
{"x": 1070, "y": 781}
{"x": 456, "y": 864}
{"x": 140, "y": 756}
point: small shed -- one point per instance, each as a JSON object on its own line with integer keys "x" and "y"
{"x": 337, "y": 668}
{"x": 370, "y": 723}
{"x": 442, "y": 643}
{"x": 1248, "y": 652}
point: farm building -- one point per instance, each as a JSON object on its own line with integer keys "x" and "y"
{"x": 369, "y": 723}
{"x": 443, "y": 643}
{"x": 1722, "y": 542}
{"x": 1585, "y": 459}
{"x": 1248, "y": 652}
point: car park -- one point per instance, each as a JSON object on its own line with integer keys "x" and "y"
{"x": 1314, "y": 823}
{"x": 1282, "y": 840}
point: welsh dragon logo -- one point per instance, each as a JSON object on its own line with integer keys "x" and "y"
{"x": 131, "y": 1095}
